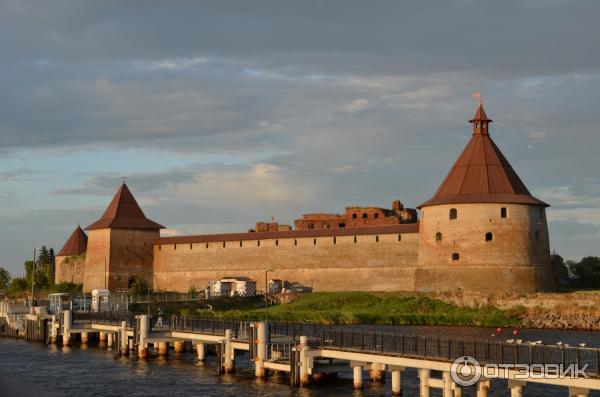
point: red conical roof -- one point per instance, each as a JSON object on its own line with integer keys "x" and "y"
{"x": 123, "y": 212}
{"x": 482, "y": 174}
{"x": 76, "y": 244}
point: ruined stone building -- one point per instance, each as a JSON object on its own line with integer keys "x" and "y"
{"x": 482, "y": 230}
{"x": 359, "y": 216}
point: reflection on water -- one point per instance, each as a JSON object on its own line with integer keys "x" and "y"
{"x": 96, "y": 372}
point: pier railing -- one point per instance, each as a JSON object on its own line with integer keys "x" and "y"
{"x": 334, "y": 337}
{"x": 448, "y": 349}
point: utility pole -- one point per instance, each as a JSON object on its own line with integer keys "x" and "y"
{"x": 33, "y": 276}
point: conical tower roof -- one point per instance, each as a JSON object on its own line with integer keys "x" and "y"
{"x": 482, "y": 174}
{"x": 76, "y": 244}
{"x": 123, "y": 212}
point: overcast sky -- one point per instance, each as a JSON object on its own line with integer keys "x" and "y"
{"x": 223, "y": 113}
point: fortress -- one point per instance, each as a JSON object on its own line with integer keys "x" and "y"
{"x": 482, "y": 230}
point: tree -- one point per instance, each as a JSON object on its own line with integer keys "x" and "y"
{"x": 43, "y": 256}
{"x": 560, "y": 270}
{"x": 4, "y": 278}
{"x": 139, "y": 287}
{"x": 587, "y": 272}
{"x": 18, "y": 284}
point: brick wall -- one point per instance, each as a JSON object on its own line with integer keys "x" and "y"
{"x": 373, "y": 262}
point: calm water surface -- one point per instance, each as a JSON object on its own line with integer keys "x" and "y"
{"x": 75, "y": 371}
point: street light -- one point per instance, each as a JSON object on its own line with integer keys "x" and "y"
{"x": 267, "y": 296}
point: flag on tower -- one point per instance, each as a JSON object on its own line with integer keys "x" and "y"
{"x": 478, "y": 96}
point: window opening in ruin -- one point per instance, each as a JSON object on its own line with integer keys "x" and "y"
{"x": 503, "y": 212}
{"x": 354, "y": 216}
{"x": 355, "y": 239}
{"x": 223, "y": 244}
{"x": 335, "y": 240}
{"x": 258, "y": 243}
{"x": 240, "y": 243}
{"x": 489, "y": 236}
{"x": 174, "y": 246}
{"x": 365, "y": 216}
{"x": 455, "y": 256}
{"x": 453, "y": 213}
{"x": 310, "y": 226}
{"x": 376, "y": 216}
{"x": 314, "y": 241}
{"x": 342, "y": 225}
{"x": 376, "y": 239}
{"x": 190, "y": 245}
{"x": 537, "y": 235}
{"x": 277, "y": 243}
{"x": 206, "y": 245}
{"x": 399, "y": 237}
{"x": 295, "y": 242}
{"x": 160, "y": 247}
{"x": 438, "y": 236}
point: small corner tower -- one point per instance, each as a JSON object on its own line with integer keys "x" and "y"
{"x": 120, "y": 245}
{"x": 483, "y": 230}
{"x": 70, "y": 261}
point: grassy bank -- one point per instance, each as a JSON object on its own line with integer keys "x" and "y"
{"x": 355, "y": 308}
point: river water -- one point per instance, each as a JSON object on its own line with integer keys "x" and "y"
{"x": 35, "y": 369}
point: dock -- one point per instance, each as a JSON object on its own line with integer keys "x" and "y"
{"x": 310, "y": 352}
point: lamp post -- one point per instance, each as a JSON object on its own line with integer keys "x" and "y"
{"x": 267, "y": 296}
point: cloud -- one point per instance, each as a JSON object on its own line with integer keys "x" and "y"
{"x": 356, "y": 106}
{"x": 286, "y": 107}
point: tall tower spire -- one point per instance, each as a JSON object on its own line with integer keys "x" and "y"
{"x": 481, "y": 122}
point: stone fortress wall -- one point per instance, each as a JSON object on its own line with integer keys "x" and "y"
{"x": 349, "y": 260}
{"x": 69, "y": 269}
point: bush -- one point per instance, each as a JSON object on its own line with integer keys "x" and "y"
{"x": 66, "y": 287}
{"x": 139, "y": 287}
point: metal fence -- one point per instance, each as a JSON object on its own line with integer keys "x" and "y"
{"x": 334, "y": 337}
{"x": 448, "y": 349}
{"x": 107, "y": 317}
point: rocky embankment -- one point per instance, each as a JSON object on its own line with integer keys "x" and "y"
{"x": 575, "y": 310}
{"x": 586, "y": 322}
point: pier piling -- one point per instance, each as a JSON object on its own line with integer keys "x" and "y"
{"x": 357, "y": 377}
{"x": 396, "y": 381}
{"x": 200, "y": 354}
{"x": 424, "y": 375}
{"x": 67, "y": 322}
{"x": 261, "y": 350}
{"x": 483, "y": 386}
{"x": 229, "y": 363}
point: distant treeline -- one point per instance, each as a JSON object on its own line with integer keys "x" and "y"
{"x": 44, "y": 275}
{"x": 573, "y": 274}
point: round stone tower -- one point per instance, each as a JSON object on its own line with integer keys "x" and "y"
{"x": 483, "y": 230}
